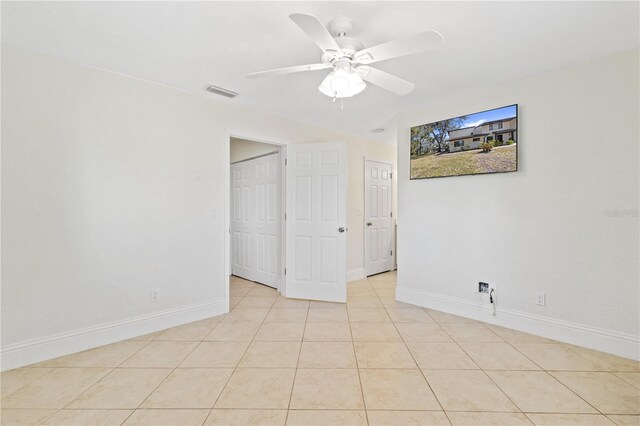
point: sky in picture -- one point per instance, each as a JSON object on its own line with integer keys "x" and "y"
{"x": 474, "y": 120}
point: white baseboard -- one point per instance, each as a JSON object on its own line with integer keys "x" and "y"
{"x": 622, "y": 344}
{"x": 355, "y": 274}
{"x": 42, "y": 349}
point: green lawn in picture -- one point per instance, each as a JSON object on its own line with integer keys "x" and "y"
{"x": 500, "y": 159}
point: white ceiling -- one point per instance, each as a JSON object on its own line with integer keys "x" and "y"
{"x": 191, "y": 44}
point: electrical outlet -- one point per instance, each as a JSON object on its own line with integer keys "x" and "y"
{"x": 483, "y": 287}
{"x": 541, "y": 299}
{"x": 155, "y": 295}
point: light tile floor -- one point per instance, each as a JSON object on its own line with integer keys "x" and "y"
{"x": 276, "y": 361}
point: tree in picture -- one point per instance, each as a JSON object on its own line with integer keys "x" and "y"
{"x": 432, "y": 137}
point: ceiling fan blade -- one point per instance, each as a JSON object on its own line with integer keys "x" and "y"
{"x": 385, "y": 80}
{"x": 318, "y": 33}
{"x": 400, "y": 47}
{"x": 288, "y": 70}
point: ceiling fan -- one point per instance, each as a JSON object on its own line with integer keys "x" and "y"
{"x": 350, "y": 61}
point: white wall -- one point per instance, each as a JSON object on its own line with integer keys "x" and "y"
{"x": 242, "y": 149}
{"x": 111, "y": 187}
{"x": 566, "y": 223}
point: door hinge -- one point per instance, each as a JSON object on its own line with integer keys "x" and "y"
{"x": 285, "y": 216}
{"x": 285, "y": 161}
{"x": 391, "y": 214}
{"x": 391, "y": 175}
{"x": 391, "y": 252}
{"x": 285, "y": 271}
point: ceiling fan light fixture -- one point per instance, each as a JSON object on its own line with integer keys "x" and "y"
{"x": 342, "y": 83}
{"x": 350, "y": 61}
{"x": 339, "y": 82}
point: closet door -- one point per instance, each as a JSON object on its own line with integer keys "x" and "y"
{"x": 242, "y": 217}
{"x": 267, "y": 219}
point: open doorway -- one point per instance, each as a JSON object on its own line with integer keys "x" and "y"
{"x": 256, "y": 211}
{"x": 303, "y": 188}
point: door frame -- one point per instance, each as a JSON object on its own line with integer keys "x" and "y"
{"x": 392, "y": 235}
{"x": 227, "y": 209}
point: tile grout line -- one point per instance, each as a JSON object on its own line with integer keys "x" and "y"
{"x": 2, "y": 397}
{"x": 190, "y": 352}
{"x": 52, "y": 369}
{"x": 497, "y": 385}
{"x": 74, "y": 355}
{"x": 217, "y": 325}
{"x": 134, "y": 410}
{"x": 355, "y": 355}
{"x": 172, "y": 371}
{"x": 412, "y": 357}
{"x": 541, "y": 369}
{"x": 243, "y": 354}
{"x": 483, "y": 371}
{"x": 114, "y": 369}
{"x": 295, "y": 373}
{"x": 523, "y": 354}
{"x": 111, "y": 369}
{"x": 554, "y": 378}
{"x": 489, "y": 376}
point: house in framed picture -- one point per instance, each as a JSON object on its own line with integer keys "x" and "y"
{"x": 500, "y": 131}
{"x": 478, "y": 143}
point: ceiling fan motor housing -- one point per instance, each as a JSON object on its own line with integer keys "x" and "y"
{"x": 339, "y": 28}
{"x": 349, "y": 45}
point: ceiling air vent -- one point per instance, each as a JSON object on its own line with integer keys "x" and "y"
{"x": 378, "y": 130}
{"x": 220, "y": 91}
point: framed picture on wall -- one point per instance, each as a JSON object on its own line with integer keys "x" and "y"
{"x": 479, "y": 143}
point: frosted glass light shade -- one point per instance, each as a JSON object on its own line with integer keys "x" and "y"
{"x": 342, "y": 84}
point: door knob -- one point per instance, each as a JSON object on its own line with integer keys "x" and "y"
{"x": 341, "y": 229}
{"x": 369, "y": 223}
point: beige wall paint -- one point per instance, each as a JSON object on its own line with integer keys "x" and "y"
{"x": 113, "y": 186}
{"x": 566, "y": 223}
{"x": 242, "y": 149}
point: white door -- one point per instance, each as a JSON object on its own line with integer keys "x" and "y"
{"x": 242, "y": 219}
{"x": 255, "y": 219}
{"x": 316, "y": 221}
{"x": 267, "y": 219}
{"x": 378, "y": 232}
